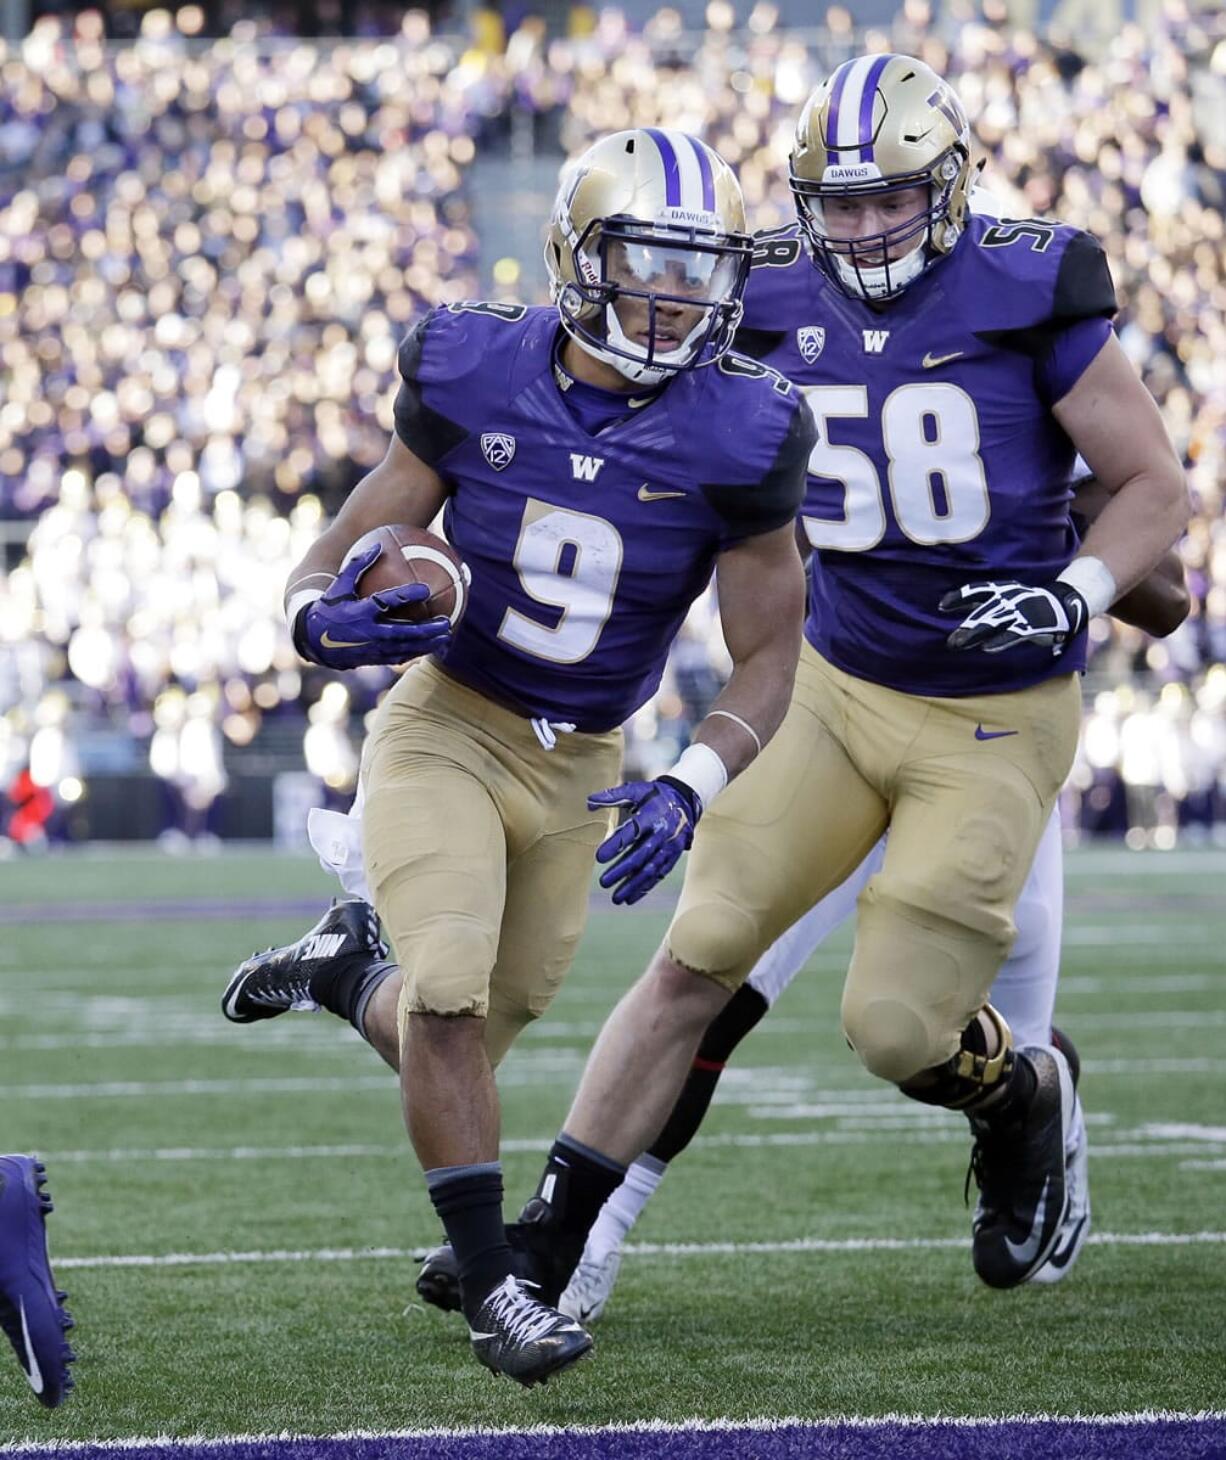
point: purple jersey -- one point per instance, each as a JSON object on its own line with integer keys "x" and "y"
{"x": 938, "y": 460}
{"x": 586, "y": 549}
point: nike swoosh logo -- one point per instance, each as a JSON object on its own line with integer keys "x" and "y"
{"x": 1066, "y": 1249}
{"x": 647, "y": 495}
{"x": 329, "y": 642}
{"x": 33, "y": 1373}
{"x": 480, "y": 1337}
{"x": 1024, "y": 1253}
{"x": 931, "y": 361}
{"x": 636, "y": 405}
{"x": 982, "y": 734}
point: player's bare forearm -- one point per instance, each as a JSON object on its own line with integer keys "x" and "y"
{"x": 1160, "y": 602}
{"x": 1114, "y": 423}
{"x": 402, "y": 488}
{"x": 761, "y": 602}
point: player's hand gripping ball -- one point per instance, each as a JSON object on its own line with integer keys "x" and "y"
{"x": 398, "y": 594}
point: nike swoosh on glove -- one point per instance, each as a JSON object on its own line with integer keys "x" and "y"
{"x": 647, "y": 844}
{"x": 342, "y": 630}
{"x": 1003, "y": 615}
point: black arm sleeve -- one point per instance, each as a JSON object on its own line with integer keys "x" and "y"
{"x": 427, "y": 433}
{"x": 774, "y": 501}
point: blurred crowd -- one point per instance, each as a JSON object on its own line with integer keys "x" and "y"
{"x": 208, "y": 253}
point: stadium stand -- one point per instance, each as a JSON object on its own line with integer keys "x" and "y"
{"x": 206, "y": 261}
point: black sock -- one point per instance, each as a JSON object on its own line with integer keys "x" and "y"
{"x": 468, "y": 1200}
{"x": 344, "y": 986}
{"x": 724, "y": 1033}
{"x": 576, "y": 1184}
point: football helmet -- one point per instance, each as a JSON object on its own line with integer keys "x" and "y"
{"x": 877, "y": 125}
{"x": 648, "y": 254}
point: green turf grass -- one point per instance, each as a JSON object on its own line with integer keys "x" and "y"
{"x": 93, "y": 1010}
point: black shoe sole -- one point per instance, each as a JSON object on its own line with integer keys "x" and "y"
{"x": 543, "y": 1376}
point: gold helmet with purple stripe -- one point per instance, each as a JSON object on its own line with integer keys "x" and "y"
{"x": 880, "y": 125}
{"x": 648, "y": 254}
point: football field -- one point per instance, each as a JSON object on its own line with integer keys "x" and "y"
{"x": 237, "y": 1209}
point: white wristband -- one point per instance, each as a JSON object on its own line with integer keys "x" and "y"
{"x": 702, "y": 771}
{"x": 298, "y": 602}
{"x": 1093, "y": 580}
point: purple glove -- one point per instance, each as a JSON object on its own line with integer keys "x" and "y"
{"x": 341, "y": 630}
{"x": 646, "y": 846}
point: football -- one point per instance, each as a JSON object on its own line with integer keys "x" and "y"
{"x": 414, "y": 555}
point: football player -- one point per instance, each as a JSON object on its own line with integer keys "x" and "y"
{"x": 955, "y": 364}
{"x": 1024, "y": 994}
{"x": 32, "y": 1311}
{"x": 595, "y": 461}
{"x": 299, "y": 976}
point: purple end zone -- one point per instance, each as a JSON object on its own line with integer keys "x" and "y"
{"x": 1159, "y": 1439}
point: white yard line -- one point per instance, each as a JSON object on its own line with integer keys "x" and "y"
{"x": 545, "y": 1067}
{"x": 1182, "y": 1141}
{"x": 636, "y": 1249}
{"x": 636, "y": 1427}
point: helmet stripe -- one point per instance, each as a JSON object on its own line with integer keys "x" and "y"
{"x": 832, "y": 117}
{"x": 687, "y": 167}
{"x": 672, "y": 170}
{"x": 708, "y": 182}
{"x": 867, "y": 97}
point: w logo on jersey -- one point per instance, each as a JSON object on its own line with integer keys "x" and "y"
{"x": 874, "y": 341}
{"x": 585, "y": 468}
{"x": 498, "y": 449}
{"x": 810, "y": 341}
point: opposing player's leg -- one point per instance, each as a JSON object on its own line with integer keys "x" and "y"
{"x": 592, "y": 1281}
{"x": 32, "y": 1312}
{"x": 786, "y": 832}
{"x": 1025, "y": 994}
{"x": 934, "y": 928}
{"x": 451, "y": 797}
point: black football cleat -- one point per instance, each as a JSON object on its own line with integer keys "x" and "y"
{"x": 32, "y": 1312}
{"x": 1076, "y": 1226}
{"x": 541, "y": 1256}
{"x": 280, "y": 979}
{"x": 515, "y": 1334}
{"x": 438, "y": 1282}
{"x": 1019, "y": 1167}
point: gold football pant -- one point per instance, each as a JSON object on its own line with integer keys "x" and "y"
{"x": 479, "y": 848}
{"x": 965, "y": 787}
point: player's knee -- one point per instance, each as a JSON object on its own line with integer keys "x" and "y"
{"x": 893, "y": 1040}
{"x": 715, "y": 939}
{"x": 446, "y": 964}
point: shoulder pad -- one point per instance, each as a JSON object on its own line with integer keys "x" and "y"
{"x": 1063, "y": 270}
{"x": 761, "y": 481}
{"x": 742, "y": 366}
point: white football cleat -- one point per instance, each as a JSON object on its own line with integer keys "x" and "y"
{"x": 591, "y": 1285}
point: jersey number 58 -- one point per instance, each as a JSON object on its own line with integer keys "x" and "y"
{"x": 934, "y": 474}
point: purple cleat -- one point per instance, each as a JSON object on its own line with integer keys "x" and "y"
{"x": 32, "y": 1311}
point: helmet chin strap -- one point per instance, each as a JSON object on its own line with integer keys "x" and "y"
{"x": 643, "y": 373}
{"x": 874, "y": 283}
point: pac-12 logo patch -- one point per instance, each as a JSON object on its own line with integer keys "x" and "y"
{"x": 810, "y": 341}
{"x": 498, "y": 449}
